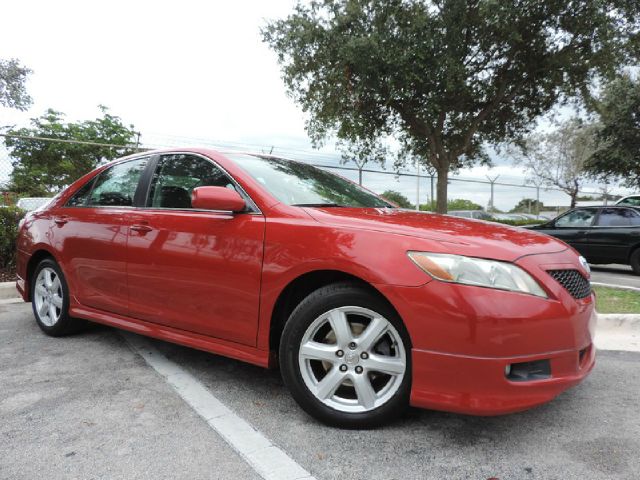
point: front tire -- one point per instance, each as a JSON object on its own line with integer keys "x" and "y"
{"x": 346, "y": 357}
{"x": 634, "y": 261}
{"x": 50, "y": 300}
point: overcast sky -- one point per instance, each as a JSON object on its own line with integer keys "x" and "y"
{"x": 182, "y": 72}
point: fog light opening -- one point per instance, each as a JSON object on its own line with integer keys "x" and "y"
{"x": 581, "y": 357}
{"x": 528, "y": 371}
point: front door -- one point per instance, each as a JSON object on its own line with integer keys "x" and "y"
{"x": 191, "y": 269}
{"x": 573, "y": 228}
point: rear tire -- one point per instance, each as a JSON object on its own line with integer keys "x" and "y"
{"x": 50, "y": 300}
{"x": 346, "y": 357}
{"x": 634, "y": 261}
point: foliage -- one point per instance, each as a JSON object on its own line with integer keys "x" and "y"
{"x": 452, "y": 204}
{"x": 613, "y": 300}
{"x": 445, "y": 76}
{"x": 521, "y": 223}
{"x": 9, "y": 218}
{"x": 44, "y": 167}
{"x": 362, "y": 152}
{"x": 397, "y": 198}
{"x": 558, "y": 158}
{"x": 619, "y": 135}
{"x": 527, "y": 205}
{"x": 13, "y": 92}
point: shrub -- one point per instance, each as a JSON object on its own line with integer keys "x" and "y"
{"x": 9, "y": 218}
{"x": 520, "y": 223}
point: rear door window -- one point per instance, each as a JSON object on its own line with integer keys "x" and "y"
{"x": 618, "y": 217}
{"x": 116, "y": 186}
{"x": 79, "y": 199}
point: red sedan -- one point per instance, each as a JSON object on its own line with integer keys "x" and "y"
{"x": 365, "y": 307}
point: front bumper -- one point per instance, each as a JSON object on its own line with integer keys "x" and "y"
{"x": 479, "y": 386}
{"x": 463, "y": 337}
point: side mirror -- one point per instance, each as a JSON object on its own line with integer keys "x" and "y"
{"x": 217, "y": 198}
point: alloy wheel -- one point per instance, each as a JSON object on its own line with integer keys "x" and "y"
{"x": 352, "y": 359}
{"x": 48, "y": 296}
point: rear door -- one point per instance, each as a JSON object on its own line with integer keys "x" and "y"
{"x": 91, "y": 231}
{"x": 615, "y": 232}
{"x": 195, "y": 270}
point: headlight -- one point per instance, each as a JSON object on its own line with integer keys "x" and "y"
{"x": 477, "y": 271}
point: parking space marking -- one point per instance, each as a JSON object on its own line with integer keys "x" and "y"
{"x": 269, "y": 461}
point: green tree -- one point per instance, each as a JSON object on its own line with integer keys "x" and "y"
{"x": 528, "y": 205}
{"x": 445, "y": 76}
{"x": 13, "y": 92}
{"x": 559, "y": 158}
{"x": 618, "y": 155}
{"x": 397, "y": 198}
{"x": 43, "y": 167}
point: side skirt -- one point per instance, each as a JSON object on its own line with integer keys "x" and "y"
{"x": 174, "y": 335}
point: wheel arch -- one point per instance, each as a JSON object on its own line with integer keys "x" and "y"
{"x": 300, "y": 287}
{"x": 36, "y": 257}
{"x": 632, "y": 250}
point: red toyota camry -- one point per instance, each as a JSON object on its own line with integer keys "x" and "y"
{"x": 365, "y": 307}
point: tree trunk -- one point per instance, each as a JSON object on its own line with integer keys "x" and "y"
{"x": 573, "y": 196}
{"x": 441, "y": 190}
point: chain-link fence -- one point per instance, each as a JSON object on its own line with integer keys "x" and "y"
{"x": 490, "y": 192}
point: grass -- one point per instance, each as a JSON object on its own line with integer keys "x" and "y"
{"x": 613, "y": 300}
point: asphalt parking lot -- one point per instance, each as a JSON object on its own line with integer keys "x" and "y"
{"x": 614, "y": 274}
{"x": 88, "y": 406}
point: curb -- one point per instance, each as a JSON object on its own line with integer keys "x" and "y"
{"x": 619, "y": 287}
{"x": 628, "y": 321}
{"x": 616, "y": 331}
{"x": 8, "y": 290}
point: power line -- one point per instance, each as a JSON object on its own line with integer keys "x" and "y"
{"x": 79, "y": 142}
{"x": 236, "y": 145}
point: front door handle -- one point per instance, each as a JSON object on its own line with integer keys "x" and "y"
{"x": 60, "y": 221}
{"x": 141, "y": 228}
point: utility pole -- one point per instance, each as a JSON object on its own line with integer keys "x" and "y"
{"x": 492, "y": 181}
{"x": 418, "y": 185}
{"x": 605, "y": 193}
{"x": 432, "y": 199}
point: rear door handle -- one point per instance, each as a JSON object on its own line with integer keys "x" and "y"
{"x": 60, "y": 221}
{"x": 141, "y": 228}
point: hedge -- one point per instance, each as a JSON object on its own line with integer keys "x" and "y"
{"x": 9, "y": 219}
{"x": 520, "y": 223}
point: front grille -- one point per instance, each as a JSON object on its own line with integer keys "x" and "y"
{"x": 573, "y": 281}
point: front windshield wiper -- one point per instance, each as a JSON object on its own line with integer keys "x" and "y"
{"x": 317, "y": 205}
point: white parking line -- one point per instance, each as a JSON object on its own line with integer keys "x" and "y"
{"x": 269, "y": 461}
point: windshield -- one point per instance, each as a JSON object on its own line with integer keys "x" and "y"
{"x": 303, "y": 185}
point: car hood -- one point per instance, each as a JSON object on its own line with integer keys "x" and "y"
{"x": 454, "y": 234}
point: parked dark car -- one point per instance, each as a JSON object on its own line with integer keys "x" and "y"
{"x": 601, "y": 234}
